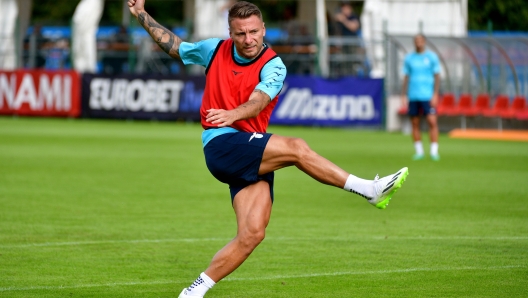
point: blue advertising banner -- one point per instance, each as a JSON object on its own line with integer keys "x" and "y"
{"x": 309, "y": 101}
{"x": 161, "y": 97}
{"x": 315, "y": 101}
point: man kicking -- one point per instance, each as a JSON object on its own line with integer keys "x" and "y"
{"x": 243, "y": 79}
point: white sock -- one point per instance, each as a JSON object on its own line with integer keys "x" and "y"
{"x": 200, "y": 286}
{"x": 359, "y": 186}
{"x": 418, "y": 148}
{"x": 434, "y": 148}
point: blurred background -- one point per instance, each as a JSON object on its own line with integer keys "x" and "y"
{"x": 482, "y": 46}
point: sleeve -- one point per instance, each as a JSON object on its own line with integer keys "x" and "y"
{"x": 199, "y": 53}
{"x": 272, "y": 77}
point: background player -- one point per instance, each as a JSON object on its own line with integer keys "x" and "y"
{"x": 420, "y": 93}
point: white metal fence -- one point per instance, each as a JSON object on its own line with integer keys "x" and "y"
{"x": 474, "y": 65}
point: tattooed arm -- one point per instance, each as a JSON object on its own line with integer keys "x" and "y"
{"x": 167, "y": 41}
{"x": 256, "y": 103}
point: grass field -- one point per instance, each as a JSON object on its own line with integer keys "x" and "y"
{"x": 128, "y": 209}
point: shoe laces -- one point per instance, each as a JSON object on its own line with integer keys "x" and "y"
{"x": 377, "y": 186}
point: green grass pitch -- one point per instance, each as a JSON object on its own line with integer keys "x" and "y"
{"x": 93, "y": 208}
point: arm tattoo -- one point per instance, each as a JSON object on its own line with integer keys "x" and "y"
{"x": 256, "y": 103}
{"x": 262, "y": 93}
{"x": 167, "y": 41}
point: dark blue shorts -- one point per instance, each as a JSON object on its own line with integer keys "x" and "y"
{"x": 234, "y": 159}
{"x": 417, "y": 108}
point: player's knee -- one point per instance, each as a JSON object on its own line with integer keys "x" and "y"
{"x": 252, "y": 238}
{"x": 300, "y": 148}
{"x": 433, "y": 123}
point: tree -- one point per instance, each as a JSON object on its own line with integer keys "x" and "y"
{"x": 510, "y": 15}
{"x": 53, "y": 12}
{"x": 60, "y": 12}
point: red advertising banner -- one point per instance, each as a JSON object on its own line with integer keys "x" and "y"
{"x": 40, "y": 93}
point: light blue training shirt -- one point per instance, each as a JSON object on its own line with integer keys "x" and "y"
{"x": 421, "y": 68}
{"x": 200, "y": 53}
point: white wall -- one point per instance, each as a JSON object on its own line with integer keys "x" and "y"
{"x": 210, "y": 19}
{"x": 9, "y": 9}
{"x": 85, "y": 22}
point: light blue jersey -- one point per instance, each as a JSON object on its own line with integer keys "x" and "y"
{"x": 201, "y": 52}
{"x": 421, "y": 68}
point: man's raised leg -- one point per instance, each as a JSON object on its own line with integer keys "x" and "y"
{"x": 282, "y": 152}
{"x": 252, "y": 207}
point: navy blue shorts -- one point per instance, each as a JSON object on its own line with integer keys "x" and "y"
{"x": 417, "y": 108}
{"x": 234, "y": 159}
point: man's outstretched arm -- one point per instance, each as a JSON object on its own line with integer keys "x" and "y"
{"x": 258, "y": 100}
{"x": 167, "y": 41}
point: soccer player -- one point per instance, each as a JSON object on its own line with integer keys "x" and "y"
{"x": 420, "y": 93}
{"x": 243, "y": 80}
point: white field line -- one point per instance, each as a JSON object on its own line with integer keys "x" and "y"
{"x": 192, "y": 240}
{"x": 451, "y": 238}
{"x": 76, "y": 243}
{"x": 309, "y": 275}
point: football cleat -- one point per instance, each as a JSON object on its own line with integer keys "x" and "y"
{"x": 435, "y": 157}
{"x": 183, "y": 294}
{"x": 386, "y": 187}
{"x": 418, "y": 157}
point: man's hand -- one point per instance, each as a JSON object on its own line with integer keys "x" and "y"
{"x": 220, "y": 117}
{"x": 258, "y": 100}
{"x": 136, "y": 6}
{"x": 167, "y": 41}
{"x": 340, "y": 17}
{"x": 404, "y": 102}
{"x": 434, "y": 101}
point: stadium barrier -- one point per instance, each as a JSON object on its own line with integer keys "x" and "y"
{"x": 160, "y": 97}
{"x": 315, "y": 101}
{"x": 308, "y": 101}
{"x": 40, "y": 93}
